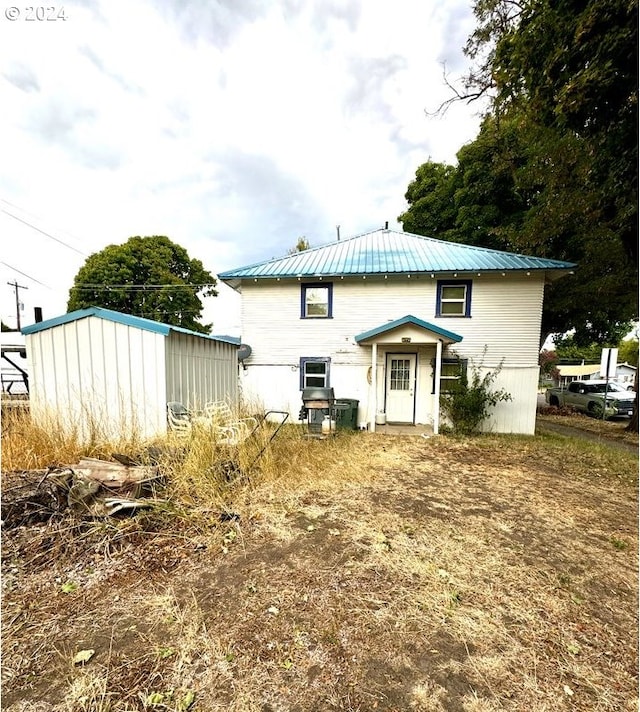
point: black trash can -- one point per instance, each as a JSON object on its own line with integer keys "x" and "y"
{"x": 346, "y": 410}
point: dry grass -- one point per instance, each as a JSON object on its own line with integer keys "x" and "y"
{"x": 27, "y": 445}
{"x": 606, "y": 429}
{"x": 361, "y": 572}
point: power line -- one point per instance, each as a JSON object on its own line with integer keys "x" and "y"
{"x": 24, "y": 274}
{"x": 139, "y": 287}
{"x": 33, "y": 227}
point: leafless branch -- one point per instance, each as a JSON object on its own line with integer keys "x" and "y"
{"x": 456, "y": 95}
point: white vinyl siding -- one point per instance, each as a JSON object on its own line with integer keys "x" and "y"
{"x": 505, "y": 318}
{"x": 506, "y": 314}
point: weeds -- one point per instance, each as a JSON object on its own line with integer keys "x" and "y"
{"x": 358, "y": 572}
{"x": 619, "y": 544}
{"x": 469, "y": 402}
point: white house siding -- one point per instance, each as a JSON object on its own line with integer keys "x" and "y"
{"x": 519, "y": 414}
{"x": 505, "y": 318}
{"x": 200, "y": 370}
{"x": 102, "y": 377}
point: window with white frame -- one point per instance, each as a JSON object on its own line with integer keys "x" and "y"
{"x": 316, "y": 300}
{"x": 452, "y": 370}
{"x": 453, "y": 298}
{"x": 314, "y": 372}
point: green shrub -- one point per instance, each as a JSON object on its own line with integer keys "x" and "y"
{"x": 468, "y": 404}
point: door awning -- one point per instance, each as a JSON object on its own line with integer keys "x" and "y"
{"x": 407, "y": 327}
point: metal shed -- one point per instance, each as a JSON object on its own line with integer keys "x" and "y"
{"x": 105, "y": 373}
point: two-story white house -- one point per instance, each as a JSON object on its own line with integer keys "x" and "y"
{"x": 391, "y": 319}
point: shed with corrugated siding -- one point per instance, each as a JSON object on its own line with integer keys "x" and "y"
{"x": 105, "y": 373}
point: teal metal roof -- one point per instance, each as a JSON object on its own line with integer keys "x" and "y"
{"x": 409, "y": 319}
{"x": 389, "y": 252}
{"x": 110, "y": 315}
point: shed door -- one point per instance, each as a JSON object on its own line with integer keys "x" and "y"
{"x": 400, "y": 387}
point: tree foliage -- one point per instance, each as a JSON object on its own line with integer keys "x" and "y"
{"x": 553, "y": 171}
{"x": 548, "y": 362}
{"x": 628, "y": 352}
{"x": 566, "y": 349}
{"x": 571, "y": 66}
{"x": 146, "y": 276}
{"x": 301, "y": 245}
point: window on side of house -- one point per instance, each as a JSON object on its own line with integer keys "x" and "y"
{"x": 454, "y": 298}
{"x": 315, "y": 372}
{"x": 451, "y": 371}
{"x": 316, "y": 300}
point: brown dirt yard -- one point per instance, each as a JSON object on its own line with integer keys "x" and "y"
{"x": 372, "y": 573}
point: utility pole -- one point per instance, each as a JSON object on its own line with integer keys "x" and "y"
{"x": 17, "y": 286}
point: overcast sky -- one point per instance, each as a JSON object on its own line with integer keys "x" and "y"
{"x": 234, "y": 127}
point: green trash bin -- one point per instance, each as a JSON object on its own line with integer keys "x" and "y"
{"x": 346, "y": 413}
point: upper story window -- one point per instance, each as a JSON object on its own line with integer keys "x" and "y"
{"x": 316, "y": 301}
{"x": 454, "y": 298}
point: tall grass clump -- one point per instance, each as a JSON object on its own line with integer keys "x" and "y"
{"x": 49, "y": 441}
{"x": 27, "y": 445}
{"x": 201, "y": 476}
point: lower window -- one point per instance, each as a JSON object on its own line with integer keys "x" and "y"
{"x": 314, "y": 372}
{"x": 451, "y": 372}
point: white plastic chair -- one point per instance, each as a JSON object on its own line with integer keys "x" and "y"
{"x": 184, "y": 424}
{"x": 221, "y": 414}
{"x": 179, "y": 418}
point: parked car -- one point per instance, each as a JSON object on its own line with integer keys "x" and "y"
{"x": 592, "y": 396}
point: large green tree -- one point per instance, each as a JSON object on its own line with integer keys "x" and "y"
{"x": 504, "y": 194}
{"x": 146, "y": 276}
{"x": 553, "y": 171}
{"x": 572, "y": 66}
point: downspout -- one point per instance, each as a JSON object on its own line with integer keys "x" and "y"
{"x": 436, "y": 390}
{"x": 374, "y": 386}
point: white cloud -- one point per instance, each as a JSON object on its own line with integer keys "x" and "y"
{"x": 233, "y": 128}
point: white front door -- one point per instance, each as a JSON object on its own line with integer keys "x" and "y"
{"x": 400, "y": 388}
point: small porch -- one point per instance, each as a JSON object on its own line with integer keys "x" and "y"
{"x": 405, "y": 374}
{"x": 420, "y": 431}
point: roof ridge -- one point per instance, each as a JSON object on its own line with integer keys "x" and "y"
{"x": 312, "y": 249}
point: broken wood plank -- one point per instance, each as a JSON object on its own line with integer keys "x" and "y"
{"x": 113, "y": 474}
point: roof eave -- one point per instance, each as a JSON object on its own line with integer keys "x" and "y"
{"x": 550, "y": 274}
{"x": 438, "y": 331}
{"x": 117, "y": 317}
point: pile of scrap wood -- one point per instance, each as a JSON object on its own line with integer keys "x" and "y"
{"x": 91, "y": 486}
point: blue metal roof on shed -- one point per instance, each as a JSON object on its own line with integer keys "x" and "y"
{"x": 127, "y": 319}
{"x": 388, "y": 252}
